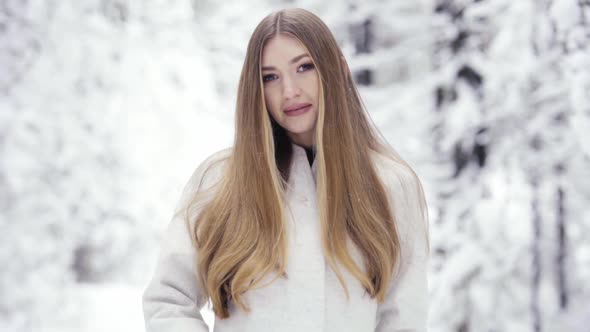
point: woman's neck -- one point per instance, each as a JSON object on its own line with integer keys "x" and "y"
{"x": 305, "y": 140}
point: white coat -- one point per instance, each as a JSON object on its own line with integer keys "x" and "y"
{"x": 311, "y": 299}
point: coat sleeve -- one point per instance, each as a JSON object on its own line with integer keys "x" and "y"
{"x": 173, "y": 299}
{"x": 405, "y": 307}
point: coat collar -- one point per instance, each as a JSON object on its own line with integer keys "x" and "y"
{"x": 301, "y": 163}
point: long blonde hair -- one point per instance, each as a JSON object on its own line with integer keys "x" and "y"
{"x": 240, "y": 234}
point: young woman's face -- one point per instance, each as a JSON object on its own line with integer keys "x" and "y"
{"x": 290, "y": 82}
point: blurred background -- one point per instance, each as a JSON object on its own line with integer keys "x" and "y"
{"x": 107, "y": 106}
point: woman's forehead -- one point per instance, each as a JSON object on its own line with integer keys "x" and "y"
{"x": 282, "y": 45}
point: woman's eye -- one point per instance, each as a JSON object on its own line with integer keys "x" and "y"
{"x": 271, "y": 77}
{"x": 267, "y": 78}
{"x": 306, "y": 65}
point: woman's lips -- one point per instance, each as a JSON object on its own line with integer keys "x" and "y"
{"x": 295, "y": 106}
{"x": 298, "y": 111}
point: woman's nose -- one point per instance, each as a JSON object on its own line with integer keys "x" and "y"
{"x": 290, "y": 89}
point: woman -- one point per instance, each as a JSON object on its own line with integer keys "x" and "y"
{"x": 310, "y": 222}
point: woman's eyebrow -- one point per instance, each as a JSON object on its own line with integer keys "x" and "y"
{"x": 295, "y": 59}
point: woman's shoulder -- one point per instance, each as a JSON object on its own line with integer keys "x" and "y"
{"x": 211, "y": 169}
{"x": 216, "y": 159}
{"x": 405, "y": 191}
{"x": 401, "y": 182}
{"x": 206, "y": 174}
{"x": 393, "y": 170}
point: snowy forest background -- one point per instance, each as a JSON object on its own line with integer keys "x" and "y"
{"x": 106, "y": 107}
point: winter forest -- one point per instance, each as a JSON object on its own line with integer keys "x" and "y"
{"x": 107, "y": 106}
